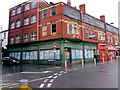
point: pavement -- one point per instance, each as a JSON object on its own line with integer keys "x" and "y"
{"x": 74, "y": 76}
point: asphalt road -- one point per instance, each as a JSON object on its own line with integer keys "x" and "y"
{"x": 100, "y": 76}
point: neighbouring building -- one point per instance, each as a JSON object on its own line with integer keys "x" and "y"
{"x": 4, "y": 42}
{"x": 40, "y": 32}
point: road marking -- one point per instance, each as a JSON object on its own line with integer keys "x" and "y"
{"x": 37, "y": 72}
{"x": 65, "y": 72}
{"x": 61, "y": 71}
{"x": 14, "y": 86}
{"x": 49, "y": 85}
{"x": 45, "y": 80}
{"x": 50, "y": 76}
{"x": 74, "y": 69}
{"x": 60, "y": 74}
{"x": 41, "y": 86}
{"x": 51, "y": 80}
{"x": 55, "y": 76}
{"x": 58, "y": 67}
{"x": 55, "y": 73}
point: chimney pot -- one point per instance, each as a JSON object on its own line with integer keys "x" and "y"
{"x": 82, "y": 8}
{"x": 69, "y": 2}
{"x": 102, "y": 18}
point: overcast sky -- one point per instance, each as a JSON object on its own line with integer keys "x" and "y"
{"x": 109, "y": 8}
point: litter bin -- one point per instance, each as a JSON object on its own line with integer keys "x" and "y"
{"x": 97, "y": 57}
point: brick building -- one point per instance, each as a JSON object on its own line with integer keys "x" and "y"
{"x": 35, "y": 27}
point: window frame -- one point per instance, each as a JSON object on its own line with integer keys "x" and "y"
{"x": 13, "y": 12}
{"x": 17, "y": 39}
{"x": 26, "y": 21}
{"x": 27, "y": 7}
{"x": 44, "y": 15}
{"x": 18, "y": 24}
{"x": 53, "y": 10}
{"x": 33, "y": 4}
{"x": 12, "y": 40}
{"x": 26, "y": 37}
{"x": 33, "y": 36}
{"x": 12, "y": 26}
{"x": 33, "y": 19}
{"x": 53, "y": 28}
{"x": 44, "y": 30}
{"x": 18, "y": 10}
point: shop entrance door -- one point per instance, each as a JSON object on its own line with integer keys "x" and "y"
{"x": 68, "y": 55}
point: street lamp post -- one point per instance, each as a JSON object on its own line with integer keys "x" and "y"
{"x": 1, "y": 40}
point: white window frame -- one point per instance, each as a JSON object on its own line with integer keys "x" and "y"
{"x": 18, "y": 24}
{"x": 12, "y": 25}
{"x": 33, "y": 19}
{"x": 44, "y": 30}
{"x": 26, "y": 37}
{"x": 26, "y": 21}
{"x": 13, "y": 13}
{"x": 33, "y": 36}
{"x": 11, "y": 40}
{"x": 44, "y": 14}
{"x": 18, "y": 39}
{"x": 27, "y": 7}
{"x": 74, "y": 28}
{"x": 18, "y": 10}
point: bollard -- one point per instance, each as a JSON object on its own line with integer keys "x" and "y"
{"x": 82, "y": 63}
{"x": 111, "y": 59}
{"x": 103, "y": 60}
{"x": 65, "y": 63}
{"x": 95, "y": 61}
{"x": 23, "y": 84}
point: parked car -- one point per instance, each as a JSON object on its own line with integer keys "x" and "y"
{"x": 10, "y": 60}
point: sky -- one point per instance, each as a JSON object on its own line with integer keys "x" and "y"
{"x": 96, "y": 8}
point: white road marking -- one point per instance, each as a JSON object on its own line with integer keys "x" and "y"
{"x": 65, "y": 72}
{"x": 37, "y": 72}
{"x": 60, "y": 74}
{"x": 61, "y": 71}
{"x": 58, "y": 67}
{"x": 51, "y": 80}
{"x": 41, "y": 86}
{"x": 49, "y": 85}
{"x": 55, "y": 73}
{"x": 50, "y": 76}
{"x": 55, "y": 76}
{"x": 45, "y": 80}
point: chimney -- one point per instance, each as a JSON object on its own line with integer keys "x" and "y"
{"x": 69, "y": 2}
{"x": 51, "y": 3}
{"x": 102, "y": 18}
{"x": 82, "y": 8}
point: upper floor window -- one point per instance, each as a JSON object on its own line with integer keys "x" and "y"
{"x": 11, "y": 40}
{"x": 33, "y": 36}
{"x": 34, "y": 3}
{"x": 44, "y": 30}
{"x": 73, "y": 29}
{"x": 26, "y": 37}
{"x": 53, "y": 28}
{"x": 26, "y": 21}
{"x": 18, "y": 23}
{"x": 33, "y": 19}
{"x": 12, "y": 25}
{"x": 13, "y": 13}
{"x": 17, "y": 39}
{"x": 87, "y": 33}
{"x": 101, "y": 36}
{"x": 44, "y": 14}
{"x": 18, "y": 10}
{"x": 27, "y": 7}
{"x": 53, "y": 11}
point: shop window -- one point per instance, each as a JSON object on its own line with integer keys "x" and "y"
{"x": 17, "y": 39}
{"x": 44, "y": 30}
{"x": 53, "y": 11}
{"x": 33, "y": 36}
{"x": 53, "y": 28}
{"x": 18, "y": 10}
{"x": 89, "y": 53}
{"x": 44, "y": 14}
{"x": 27, "y": 7}
{"x": 49, "y": 54}
{"x": 33, "y": 19}
{"x": 15, "y": 55}
{"x": 77, "y": 54}
{"x": 11, "y": 40}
